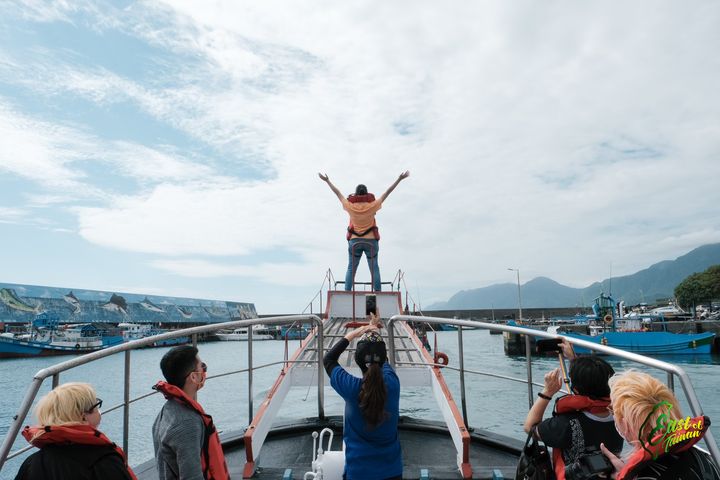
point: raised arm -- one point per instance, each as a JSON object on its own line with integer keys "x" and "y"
{"x": 552, "y": 386}
{"x": 326, "y": 179}
{"x": 402, "y": 176}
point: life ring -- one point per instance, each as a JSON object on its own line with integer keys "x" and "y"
{"x": 441, "y": 359}
{"x": 608, "y": 319}
{"x": 77, "y": 346}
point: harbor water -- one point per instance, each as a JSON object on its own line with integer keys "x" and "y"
{"x": 493, "y": 404}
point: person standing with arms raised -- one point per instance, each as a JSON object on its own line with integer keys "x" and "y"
{"x": 362, "y": 233}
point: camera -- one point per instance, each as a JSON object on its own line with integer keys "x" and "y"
{"x": 548, "y": 345}
{"x": 590, "y": 465}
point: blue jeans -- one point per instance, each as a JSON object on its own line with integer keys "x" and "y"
{"x": 371, "y": 248}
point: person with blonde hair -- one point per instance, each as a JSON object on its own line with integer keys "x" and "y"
{"x": 647, "y": 414}
{"x": 71, "y": 446}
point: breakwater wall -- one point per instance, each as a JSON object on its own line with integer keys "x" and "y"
{"x": 505, "y": 313}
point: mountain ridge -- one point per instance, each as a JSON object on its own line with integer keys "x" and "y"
{"x": 658, "y": 281}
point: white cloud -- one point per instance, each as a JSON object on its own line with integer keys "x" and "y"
{"x": 282, "y": 274}
{"x": 10, "y": 214}
{"x": 556, "y": 139}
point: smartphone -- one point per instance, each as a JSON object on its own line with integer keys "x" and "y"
{"x": 548, "y": 345}
{"x": 370, "y": 305}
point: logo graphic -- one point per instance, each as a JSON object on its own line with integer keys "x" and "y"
{"x": 668, "y": 431}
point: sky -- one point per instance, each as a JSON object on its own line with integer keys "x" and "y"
{"x": 172, "y": 147}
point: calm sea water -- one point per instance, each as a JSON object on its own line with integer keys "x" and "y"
{"x": 494, "y": 404}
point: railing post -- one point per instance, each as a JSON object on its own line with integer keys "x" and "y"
{"x": 126, "y": 407}
{"x": 18, "y": 420}
{"x": 321, "y": 372}
{"x": 194, "y": 340}
{"x": 55, "y": 381}
{"x": 250, "y": 375}
{"x": 462, "y": 376}
{"x": 671, "y": 381}
{"x": 529, "y": 369}
{"x": 391, "y": 341}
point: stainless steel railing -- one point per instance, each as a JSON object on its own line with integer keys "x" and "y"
{"x": 55, "y": 371}
{"x": 125, "y": 348}
{"x": 670, "y": 369}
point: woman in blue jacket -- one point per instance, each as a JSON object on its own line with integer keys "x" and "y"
{"x": 372, "y": 404}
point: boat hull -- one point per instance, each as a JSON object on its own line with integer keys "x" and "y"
{"x": 239, "y": 337}
{"x": 13, "y": 348}
{"x": 651, "y": 343}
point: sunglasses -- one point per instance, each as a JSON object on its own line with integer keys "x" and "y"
{"x": 204, "y": 370}
{"x": 97, "y": 404}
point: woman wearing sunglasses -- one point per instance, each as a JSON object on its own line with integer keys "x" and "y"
{"x": 71, "y": 446}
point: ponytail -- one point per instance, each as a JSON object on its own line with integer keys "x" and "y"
{"x": 373, "y": 395}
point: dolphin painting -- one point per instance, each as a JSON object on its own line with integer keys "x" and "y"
{"x": 185, "y": 312}
{"x": 116, "y": 304}
{"x": 148, "y": 305}
{"x": 10, "y": 298}
{"x": 73, "y": 301}
{"x": 218, "y": 312}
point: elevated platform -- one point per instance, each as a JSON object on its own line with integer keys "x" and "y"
{"x": 342, "y": 304}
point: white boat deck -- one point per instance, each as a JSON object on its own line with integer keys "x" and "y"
{"x": 413, "y": 364}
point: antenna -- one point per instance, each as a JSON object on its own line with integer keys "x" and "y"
{"x": 610, "y": 285}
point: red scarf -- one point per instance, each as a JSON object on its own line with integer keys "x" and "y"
{"x": 368, "y": 197}
{"x": 581, "y": 403}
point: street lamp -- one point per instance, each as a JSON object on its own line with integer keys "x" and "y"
{"x": 517, "y": 270}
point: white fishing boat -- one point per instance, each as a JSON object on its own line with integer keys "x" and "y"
{"x": 259, "y": 332}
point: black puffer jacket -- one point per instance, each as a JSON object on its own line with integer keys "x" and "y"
{"x": 74, "y": 462}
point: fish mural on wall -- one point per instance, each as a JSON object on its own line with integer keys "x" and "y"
{"x": 116, "y": 304}
{"x": 74, "y": 302}
{"x": 148, "y": 305}
{"x": 22, "y": 303}
{"x": 215, "y": 311}
{"x": 11, "y": 299}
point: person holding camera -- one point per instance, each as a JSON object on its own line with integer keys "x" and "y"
{"x": 648, "y": 415}
{"x": 362, "y": 233}
{"x": 580, "y": 421}
{"x": 372, "y": 406}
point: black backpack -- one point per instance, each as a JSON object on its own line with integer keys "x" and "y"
{"x": 534, "y": 463}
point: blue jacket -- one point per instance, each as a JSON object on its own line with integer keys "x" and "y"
{"x": 370, "y": 454}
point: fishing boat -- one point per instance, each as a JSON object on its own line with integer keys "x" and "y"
{"x": 640, "y": 333}
{"x": 259, "y": 332}
{"x": 135, "y": 331}
{"x": 443, "y": 448}
{"x": 45, "y": 337}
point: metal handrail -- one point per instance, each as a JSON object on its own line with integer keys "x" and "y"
{"x": 669, "y": 368}
{"x": 54, "y": 371}
{"x": 475, "y": 372}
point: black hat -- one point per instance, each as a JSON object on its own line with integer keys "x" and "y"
{"x": 370, "y": 349}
